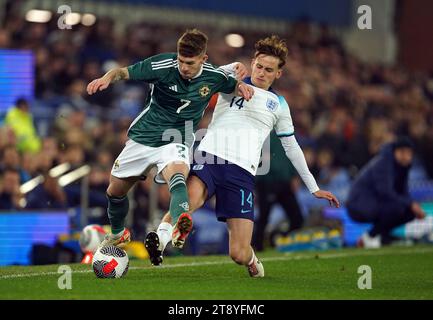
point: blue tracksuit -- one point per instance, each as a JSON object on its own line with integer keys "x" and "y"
{"x": 380, "y": 193}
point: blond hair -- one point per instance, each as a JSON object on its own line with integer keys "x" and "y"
{"x": 272, "y": 46}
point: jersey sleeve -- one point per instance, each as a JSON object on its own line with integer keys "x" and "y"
{"x": 284, "y": 126}
{"x": 227, "y": 83}
{"x": 229, "y": 68}
{"x": 296, "y": 156}
{"x": 152, "y": 69}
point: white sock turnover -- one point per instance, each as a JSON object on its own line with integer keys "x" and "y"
{"x": 164, "y": 233}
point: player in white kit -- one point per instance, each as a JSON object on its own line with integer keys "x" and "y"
{"x": 231, "y": 153}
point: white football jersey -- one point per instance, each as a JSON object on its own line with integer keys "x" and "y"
{"x": 239, "y": 128}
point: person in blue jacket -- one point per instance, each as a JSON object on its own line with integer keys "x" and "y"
{"x": 379, "y": 194}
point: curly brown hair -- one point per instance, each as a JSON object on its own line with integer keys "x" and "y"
{"x": 192, "y": 43}
{"x": 272, "y": 46}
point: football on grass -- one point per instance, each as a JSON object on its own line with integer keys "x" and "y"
{"x": 110, "y": 262}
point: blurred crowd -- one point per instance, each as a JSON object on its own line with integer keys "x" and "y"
{"x": 343, "y": 109}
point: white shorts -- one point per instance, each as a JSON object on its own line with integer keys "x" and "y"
{"x": 137, "y": 160}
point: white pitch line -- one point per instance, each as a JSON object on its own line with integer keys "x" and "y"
{"x": 27, "y": 275}
{"x": 169, "y": 266}
{"x": 288, "y": 256}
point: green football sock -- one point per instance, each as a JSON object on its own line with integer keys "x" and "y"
{"x": 118, "y": 208}
{"x": 179, "y": 202}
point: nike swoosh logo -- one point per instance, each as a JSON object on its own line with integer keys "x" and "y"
{"x": 245, "y": 211}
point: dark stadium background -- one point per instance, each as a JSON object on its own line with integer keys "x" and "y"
{"x": 350, "y": 91}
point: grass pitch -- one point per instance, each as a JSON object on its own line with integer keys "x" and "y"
{"x": 397, "y": 273}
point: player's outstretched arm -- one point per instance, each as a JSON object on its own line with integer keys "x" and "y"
{"x": 296, "y": 156}
{"x": 111, "y": 76}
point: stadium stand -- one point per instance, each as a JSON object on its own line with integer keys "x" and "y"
{"x": 344, "y": 110}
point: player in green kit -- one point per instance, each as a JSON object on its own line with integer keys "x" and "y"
{"x": 181, "y": 84}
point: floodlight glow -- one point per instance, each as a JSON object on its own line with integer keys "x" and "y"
{"x": 235, "y": 40}
{"x": 88, "y": 19}
{"x": 72, "y": 18}
{"x": 39, "y": 16}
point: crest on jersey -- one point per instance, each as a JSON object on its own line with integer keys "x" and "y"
{"x": 204, "y": 91}
{"x": 116, "y": 164}
{"x": 185, "y": 206}
{"x": 271, "y": 104}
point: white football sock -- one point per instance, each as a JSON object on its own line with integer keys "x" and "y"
{"x": 164, "y": 233}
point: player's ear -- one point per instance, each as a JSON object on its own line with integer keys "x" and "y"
{"x": 279, "y": 73}
{"x": 204, "y": 58}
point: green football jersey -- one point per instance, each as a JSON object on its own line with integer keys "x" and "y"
{"x": 174, "y": 106}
